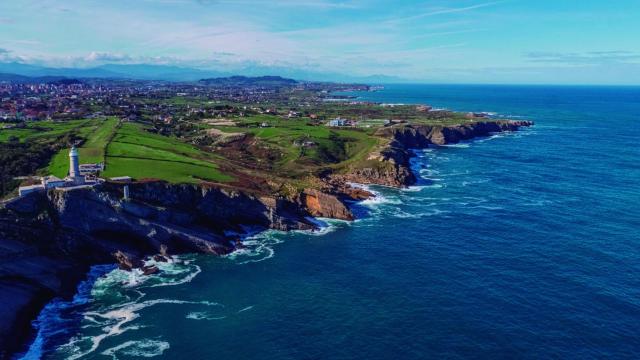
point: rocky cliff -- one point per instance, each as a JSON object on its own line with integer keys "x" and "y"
{"x": 49, "y": 241}
{"x": 390, "y": 165}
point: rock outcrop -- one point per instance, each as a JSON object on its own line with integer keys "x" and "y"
{"x": 421, "y": 136}
{"x": 49, "y": 241}
{"x": 320, "y": 204}
{"x": 390, "y": 165}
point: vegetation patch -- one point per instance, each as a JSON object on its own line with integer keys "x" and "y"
{"x": 97, "y": 134}
{"x": 140, "y": 154}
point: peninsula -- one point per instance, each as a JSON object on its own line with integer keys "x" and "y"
{"x": 107, "y": 171}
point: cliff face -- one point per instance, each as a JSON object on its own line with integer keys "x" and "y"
{"x": 49, "y": 241}
{"x": 35, "y": 266}
{"x": 390, "y": 166}
{"x": 320, "y": 204}
{"x": 421, "y": 136}
{"x": 182, "y": 217}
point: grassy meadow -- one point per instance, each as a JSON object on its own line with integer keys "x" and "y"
{"x": 331, "y": 147}
{"x": 140, "y": 154}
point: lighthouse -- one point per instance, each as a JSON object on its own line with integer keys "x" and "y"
{"x": 74, "y": 166}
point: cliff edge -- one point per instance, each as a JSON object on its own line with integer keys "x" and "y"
{"x": 390, "y": 164}
{"x": 49, "y": 240}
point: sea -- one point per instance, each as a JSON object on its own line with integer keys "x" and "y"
{"x": 519, "y": 245}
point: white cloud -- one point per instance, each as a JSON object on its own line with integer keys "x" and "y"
{"x": 585, "y": 58}
{"x": 444, "y": 11}
{"x": 107, "y": 57}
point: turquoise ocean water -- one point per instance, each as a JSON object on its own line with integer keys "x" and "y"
{"x": 521, "y": 245}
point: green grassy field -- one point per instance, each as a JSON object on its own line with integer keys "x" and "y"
{"x": 46, "y": 129}
{"x": 333, "y": 147}
{"x": 93, "y": 150}
{"x": 137, "y": 153}
{"x": 97, "y": 134}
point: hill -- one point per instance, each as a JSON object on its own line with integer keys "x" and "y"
{"x": 269, "y": 81}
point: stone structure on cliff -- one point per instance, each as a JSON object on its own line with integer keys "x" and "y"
{"x": 76, "y": 177}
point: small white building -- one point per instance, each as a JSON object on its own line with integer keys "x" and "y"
{"x": 90, "y": 169}
{"x": 338, "y": 122}
{"x": 126, "y": 179}
{"x": 24, "y": 190}
{"x": 75, "y": 178}
{"x": 52, "y": 181}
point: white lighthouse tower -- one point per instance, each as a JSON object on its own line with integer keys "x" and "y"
{"x": 74, "y": 166}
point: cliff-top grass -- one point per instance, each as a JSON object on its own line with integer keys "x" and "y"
{"x": 135, "y": 152}
{"x": 272, "y": 147}
{"x": 45, "y": 129}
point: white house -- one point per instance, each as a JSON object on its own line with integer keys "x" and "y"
{"x": 338, "y": 122}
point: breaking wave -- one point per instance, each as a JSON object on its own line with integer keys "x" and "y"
{"x": 143, "y": 348}
{"x": 108, "y": 304}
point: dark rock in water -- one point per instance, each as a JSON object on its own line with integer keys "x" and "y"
{"x": 164, "y": 252}
{"x": 160, "y": 258}
{"x": 336, "y": 186}
{"x": 149, "y": 270}
{"x": 126, "y": 261}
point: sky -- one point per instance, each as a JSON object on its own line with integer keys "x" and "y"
{"x": 443, "y": 41}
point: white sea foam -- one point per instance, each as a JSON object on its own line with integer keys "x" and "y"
{"x": 458, "y": 145}
{"x": 245, "y": 309}
{"x": 475, "y": 182}
{"x": 173, "y": 272}
{"x": 114, "y": 321}
{"x": 418, "y": 188}
{"x": 415, "y": 188}
{"x": 426, "y": 172}
{"x": 117, "y": 319}
{"x": 200, "y": 315}
{"x": 141, "y": 348}
{"x": 485, "y": 207}
{"x": 377, "y": 198}
{"x": 492, "y": 137}
{"x": 50, "y": 319}
{"x": 256, "y": 248}
{"x": 406, "y": 215}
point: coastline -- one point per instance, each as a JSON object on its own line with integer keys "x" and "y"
{"x": 283, "y": 214}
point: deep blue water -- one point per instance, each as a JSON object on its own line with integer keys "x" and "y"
{"x": 523, "y": 245}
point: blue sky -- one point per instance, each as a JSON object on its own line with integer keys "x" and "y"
{"x": 468, "y": 41}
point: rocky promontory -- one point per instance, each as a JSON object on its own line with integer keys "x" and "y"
{"x": 390, "y": 164}
{"x": 49, "y": 240}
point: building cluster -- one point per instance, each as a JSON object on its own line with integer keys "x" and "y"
{"x": 339, "y": 122}
{"x": 80, "y": 175}
{"x": 164, "y": 102}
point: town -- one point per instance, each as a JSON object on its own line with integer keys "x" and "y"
{"x": 208, "y": 130}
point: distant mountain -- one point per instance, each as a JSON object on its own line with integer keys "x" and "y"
{"x": 14, "y": 78}
{"x": 159, "y": 72}
{"x": 177, "y": 73}
{"x": 270, "y": 81}
{"x": 119, "y": 71}
{"x": 40, "y": 71}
